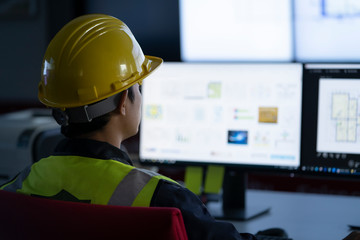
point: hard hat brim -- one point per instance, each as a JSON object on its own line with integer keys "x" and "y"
{"x": 155, "y": 62}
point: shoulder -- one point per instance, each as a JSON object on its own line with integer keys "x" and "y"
{"x": 171, "y": 194}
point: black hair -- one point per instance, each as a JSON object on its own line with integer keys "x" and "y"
{"x": 73, "y": 130}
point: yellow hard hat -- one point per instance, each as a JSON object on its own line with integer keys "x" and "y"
{"x": 90, "y": 59}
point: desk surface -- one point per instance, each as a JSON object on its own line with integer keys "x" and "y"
{"x": 304, "y": 216}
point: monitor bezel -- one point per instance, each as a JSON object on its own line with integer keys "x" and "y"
{"x": 309, "y": 136}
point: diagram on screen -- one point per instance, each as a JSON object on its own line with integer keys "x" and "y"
{"x": 338, "y": 116}
{"x": 340, "y": 9}
{"x": 323, "y": 28}
{"x": 344, "y": 112}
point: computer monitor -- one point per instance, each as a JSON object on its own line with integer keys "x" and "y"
{"x": 331, "y": 120}
{"x": 231, "y": 30}
{"x": 327, "y": 30}
{"x": 270, "y": 30}
{"x": 236, "y": 115}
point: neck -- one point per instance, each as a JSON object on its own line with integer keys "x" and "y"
{"x": 109, "y": 134}
{"x": 114, "y": 132}
{"x": 100, "y": 136}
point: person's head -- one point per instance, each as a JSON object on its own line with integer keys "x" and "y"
{"x": 91, "y": 68}
{"x": 73, "y": 130}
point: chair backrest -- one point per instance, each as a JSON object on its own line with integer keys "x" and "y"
{"x": 25, "y": 217}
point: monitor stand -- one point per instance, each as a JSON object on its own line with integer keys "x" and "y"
{"x": 233, "y": 205}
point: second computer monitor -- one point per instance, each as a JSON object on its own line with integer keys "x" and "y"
{"x": 331, "y": 120}
{"x": 232, "y": 114}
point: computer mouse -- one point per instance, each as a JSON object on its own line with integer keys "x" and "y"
{"x": 277, "y": 232}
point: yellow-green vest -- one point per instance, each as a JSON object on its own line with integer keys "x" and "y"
{"x": 96, "y": 181}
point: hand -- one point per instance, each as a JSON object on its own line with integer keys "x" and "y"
{"x": 354, "y": 235}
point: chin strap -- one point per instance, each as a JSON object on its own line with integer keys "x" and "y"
{"x": 86, "y": 113}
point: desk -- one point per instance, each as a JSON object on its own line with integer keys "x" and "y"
{"x": 304, "y": 216}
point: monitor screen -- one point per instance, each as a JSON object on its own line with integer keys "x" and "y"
{"x": 330, "y": 136}
{"x": 228, "y": 30}
{"x": 327, "y": 30}
{"x": 231, "y": 114}
{"x": 270, "y": 30}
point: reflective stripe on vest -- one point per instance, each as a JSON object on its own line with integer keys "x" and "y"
{"x": 137, "y": 180}
{"x": 99, "y": 181}
{"x": 16, "y": 183}
{"x": 144, "y": 183}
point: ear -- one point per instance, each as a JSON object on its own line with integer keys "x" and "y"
{"x": 122, "y": 103}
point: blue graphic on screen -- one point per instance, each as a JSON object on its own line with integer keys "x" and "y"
{"x": 238, "y": 137}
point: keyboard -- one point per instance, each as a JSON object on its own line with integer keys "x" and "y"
{"x": 266, "y": 237}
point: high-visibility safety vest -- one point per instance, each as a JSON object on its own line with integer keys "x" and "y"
{"x": 85, "y": 179}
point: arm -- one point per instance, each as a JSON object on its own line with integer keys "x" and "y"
{"x": 199, "y": 223}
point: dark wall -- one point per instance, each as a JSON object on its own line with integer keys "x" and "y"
{"x": 155, "y": 23}
{"x": 22, "y": 44}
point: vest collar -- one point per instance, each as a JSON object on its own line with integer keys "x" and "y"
{"x": 91, "y": 148}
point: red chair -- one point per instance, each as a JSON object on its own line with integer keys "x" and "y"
{"x": 25, "y": 217}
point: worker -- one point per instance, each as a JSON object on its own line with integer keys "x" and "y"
{"x": 90, "y": 78}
